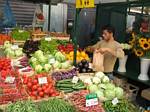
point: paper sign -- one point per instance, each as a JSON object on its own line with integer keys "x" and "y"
{"x": 89, "y": 4}
{"x": 91, "y": 100}
{"x": 42, "y": 80}
{"x": 21, "y": 31}
{"x": 115, "y": 101}
{"x": 47, "y": 39}
{"x": 52, "y": 61}
{"x": 75, "y": 79}
{"x": 85, "y": 3}
{"x": 14, "y": 47}
{"x": 79, "y": 3}
{"x": 10, "y": 80}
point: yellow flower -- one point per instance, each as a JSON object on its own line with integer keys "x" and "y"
{"x": 148, "y": 40}
{"x": 145, "y": 45}
{"x": 141, "y": 40}
{"x": 138, "y": 52}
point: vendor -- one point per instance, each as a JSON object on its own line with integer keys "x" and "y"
{"x": 110, "y": 48}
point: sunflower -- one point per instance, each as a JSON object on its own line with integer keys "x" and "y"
{"x": 145, "y": 45}
{"x": 148, "y": 40}
{"x": 138, "y": 52}
{"x": 142, "y": 40}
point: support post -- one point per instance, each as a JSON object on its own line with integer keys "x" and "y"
{"x": 49, "y": 16}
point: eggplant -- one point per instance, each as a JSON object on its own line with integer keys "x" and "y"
{"x": 80, "y": 65}
{"x": 83, "y": 70}
{"x": 86, "y": 66}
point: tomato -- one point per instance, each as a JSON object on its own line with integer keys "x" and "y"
{"x": 41, "y": 94}
{"x": 25, "y": 81}
{"x": 54, "y": 94}
{"x": 46, "y": 91}
{"x": 35, "y": 81}
{"x": 46, "y": 96}
{"x": 34, "y": 97}
{"x": 39, "y": 89}
{"x": 29, "y": 84}
{"x": 51, "y": 91}
{"x": 44, "y": 88}
{"x": 34, "y": 87}
{"x": 38, "y": 97}
{"x": 24, "y": 76}
{"x": 34, "y": 93}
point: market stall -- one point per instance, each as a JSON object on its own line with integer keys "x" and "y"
{"x": 50, "y": 73}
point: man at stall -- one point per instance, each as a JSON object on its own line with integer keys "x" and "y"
{"x": 110, "y": 48}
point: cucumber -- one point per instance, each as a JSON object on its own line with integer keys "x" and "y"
{"x": 68, "y": 91}
{"x": 64, "y": 81}
{"x": 64, "y": 85}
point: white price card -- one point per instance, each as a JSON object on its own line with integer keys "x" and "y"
{"x": 91, "y": 102}
{"x": 75, "y": 79}
{"x": 42, "y": 80}
{"x": 48, "y": 39}
{"x": 21, "y": 31}
{"x": 14, "y": 47}
{"x": 52, "y": 61}
{"x": 10, "y": 79}
{"x": 115, "y": 101}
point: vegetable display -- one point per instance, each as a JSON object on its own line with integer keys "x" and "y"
{"x": 56, "y": 105}
{"x": 30, "y": 46}
{"x": 64, "y": 75}
{"x": 83, "y": 67}
{"x": 67, "y": 86}
{"x": 12, "y": 51}
{"x": 79, "y": 101}
{"x": 38, "y": 90}
{"x": 4, "y": 38}
{"x": 20, "y": 34}
{"x": 22, "y": 106}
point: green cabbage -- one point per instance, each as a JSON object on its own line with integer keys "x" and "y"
{"x": 93, "y": 88}
{"x": 7, "y": 44}
{"x": 105, "y": 79}
{"x": 38, "y": 54}
{"x": 19, "y": 52}
{"x": 65, "y": 65}
{"x": 57, "y": 65}
{"x": 110, "y": 86}
{"x": 38, "y": 68}
{"x": 119, "y": 92}
{"x": 60, "y": 57}
{"x": 109, "y": 94}
{"x": 96, "y": 80}
{"x": 47, "y": 67}
{"x": 100, "y": 94}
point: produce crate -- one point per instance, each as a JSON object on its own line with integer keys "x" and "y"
{"x": 121, "y": 82}
{"x": 38, "y": 36}
{"x": 19, "y": 42}
{"x": 61, "y": 38}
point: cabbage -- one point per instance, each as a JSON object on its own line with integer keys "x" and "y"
{"x": 110, "y": 86}
{"x": 60, "y": 57}
{"x": 33, "y": 59}
{"x": 93, "y": 88}
{"x": 38, "y": 54}
{"x": 9, "y": 53}
{"x": 109, "y": 94}
{"x": 105, "y": 79}
{"x": 38, "y": 68}
{"x": 65, "y": 65}
{"x": 42, "y": 59}
{"x": 100, "y": 95}
{"x": 102, "y": 86}
{"x": 57, "y": 65}
{"x": 100, "y": 75}
{"x": 119, "y": 92}
{"x": 47, "y": 67}
{"x": 18, "y": 52}
{"x": 96, "y": 80}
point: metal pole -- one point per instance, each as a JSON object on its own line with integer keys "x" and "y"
{"x": 49, "y": 16}
{"x": 76, "y": 34}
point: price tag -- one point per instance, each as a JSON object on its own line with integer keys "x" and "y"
{"x": 42, "y": 80}
{"x": 14, "y": 47}
{"x": 91, "y": 100}
{"x": 75, "y": 79}
{"x": 21, "y": 31}
{"x": 115, "y": 101}
{"x": 85, "y": 3}
{"x": 48, "y": 39}
{"x": 52, "y": 61}
{"x": 10, "y": 80}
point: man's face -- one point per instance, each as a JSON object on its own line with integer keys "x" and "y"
{"x": 106, "y": 35}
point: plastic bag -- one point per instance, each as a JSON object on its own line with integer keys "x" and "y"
{"x": 9, "y": 20}
{"x": 98, "y": 60}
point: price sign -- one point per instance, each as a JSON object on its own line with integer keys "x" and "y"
{"x": 85, "y": 3}
{"x": 14, "y": 47}
{"x": 115, "y": 101}
{"x": 52, "y": 61}
{"x": 42, "y": 80}
{"x": 21, "y": 31}
{"x": 75, "y": 79}
{"x": 48, "y": 39}
{"x": 91, "y": 100}
{"x": 10, "y": 80}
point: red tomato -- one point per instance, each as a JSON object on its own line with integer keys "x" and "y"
{"x": 25, "y": 81}
{"x": 41, "y": 94}
{"x": 35, "y": 81}
{"x": 39, "y": 89}
{"x": 38, "y": 97}
{"x": 29, "y": 84}
{"x": 51, "y": 91}
{"x": 24, "y": 76}
{"x": 34, "y": 97}
{"x": 34, "y": 93}
{"x": 46, "y": 91}
{"x": 46, "y": 96}
{"x": 44, "y": 88}
{"x": 29, "y": 79}
{"x": 34, "y": 87}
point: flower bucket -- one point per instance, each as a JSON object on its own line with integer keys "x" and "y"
{"x": 122, "y": 64}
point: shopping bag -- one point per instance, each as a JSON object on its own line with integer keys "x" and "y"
{"x": 98, "y": 60}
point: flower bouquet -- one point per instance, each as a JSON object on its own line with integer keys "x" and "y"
{"x": 126, "y": 47}
{"x": 140, "y": 45}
